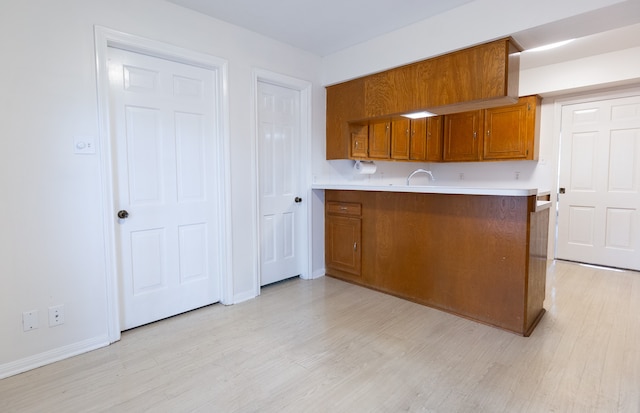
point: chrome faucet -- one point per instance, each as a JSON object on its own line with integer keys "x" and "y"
{"x": 420, "y": 171}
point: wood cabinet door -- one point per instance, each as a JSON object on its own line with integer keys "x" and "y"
{"x": 380, "y": 94}
{"x": 510, "y": 130}
{"x": 400, "y": 138}
{"x": 404, "y": 89}
{"x": 418, "y": 140}
{"x": 345, "y": 102}
{"x": 426, "y": 139}
{"x": 342, "y": 243}
{"x": 379, "y": 139}
{"x": 452, "y": 85}
{"x": 359, "y": 141}
{"x": 434, "y": 139}
{"x": 462, "y": 136}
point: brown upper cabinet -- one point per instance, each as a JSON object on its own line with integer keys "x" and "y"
{"x": 359, "y": 141}
{"x": 401, "y": 132}
{"x": 416, "y": 139}
{"x": 380, "y": 139}
{"x": 504, "y": 133}
{"x": 512, "y": 132}
{"x": 399, "y": 138}
{"x": 462, "y": 136}
{"x": 475, "y": 78}
{"x": 434, "y": 141}
{"x": 345, "y": 102}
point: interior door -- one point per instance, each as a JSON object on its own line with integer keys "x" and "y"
{"x": 166, "y": 187}
{"x": 599, "y": 200}
{"x": 282, "y": 211}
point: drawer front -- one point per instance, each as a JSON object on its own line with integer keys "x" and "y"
{"x": 344, "y": 208}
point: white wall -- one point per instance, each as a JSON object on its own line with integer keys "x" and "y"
{"x": 52, "y": 248}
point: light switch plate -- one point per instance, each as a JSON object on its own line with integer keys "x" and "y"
{"x": 30, "y": 320}
{"x": 84, "y": 145}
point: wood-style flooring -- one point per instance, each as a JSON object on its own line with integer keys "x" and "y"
{"x": 329, "y": 346}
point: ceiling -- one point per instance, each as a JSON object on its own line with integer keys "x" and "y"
{"x": 321, "y": 26}
{"x": 327, "y": 26}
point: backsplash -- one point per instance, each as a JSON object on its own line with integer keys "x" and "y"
{"x": 506, "y": 174}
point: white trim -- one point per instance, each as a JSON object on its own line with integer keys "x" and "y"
{"x": 105, "y": 38}
{"x": 48, "y": 357}
{"x": 614, "y": 93}
{"x": 304, "y": 87}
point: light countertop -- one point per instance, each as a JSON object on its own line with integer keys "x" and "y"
{"x": 432, "y": 189}
{"x": 541, "y": 205}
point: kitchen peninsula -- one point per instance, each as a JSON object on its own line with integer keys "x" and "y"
{"x": 477, "y": 253}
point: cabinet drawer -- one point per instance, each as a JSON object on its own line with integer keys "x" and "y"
{"x": 344, "y": 208}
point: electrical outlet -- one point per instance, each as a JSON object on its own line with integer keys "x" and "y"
{"x": 56, "y": 315}
{"x": 461, "y": 176}
{"x": 30, "y": 320}
{"x": 517, "y": 176}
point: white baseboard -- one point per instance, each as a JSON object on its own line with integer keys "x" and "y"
{"x": 318, "y": 273}
{"x": 51, "y": 356}
{"x": 238, "y": 298}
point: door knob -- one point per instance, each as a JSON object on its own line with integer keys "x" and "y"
{"x": 298, "y": 200}
{"x": 123, "y": 214}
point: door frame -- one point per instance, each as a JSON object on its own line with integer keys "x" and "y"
{"x": 558, "y": 103}
{"x": 105, "y": 38}
{"x": 304, "y": 88}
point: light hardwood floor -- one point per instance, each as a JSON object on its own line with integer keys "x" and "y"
{"x": 325, "y": 345}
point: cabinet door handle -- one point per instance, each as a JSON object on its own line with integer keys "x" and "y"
{"x": 475, "y": 134}
{"x": 355, "y": 246}
{"x": 488, "y": 132}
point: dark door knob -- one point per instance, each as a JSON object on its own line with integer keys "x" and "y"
{"x": 298, "y": 200}
{"x": 122, "y": 214}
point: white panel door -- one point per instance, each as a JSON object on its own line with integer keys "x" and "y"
{"x": 281, "y": 205}
{"x": 599, "y": 200}
{"x": 162, "y": 118}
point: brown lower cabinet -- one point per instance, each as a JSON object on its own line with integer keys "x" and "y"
{"x": 343, "y": 236}
{"x": 482, "y": 257}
